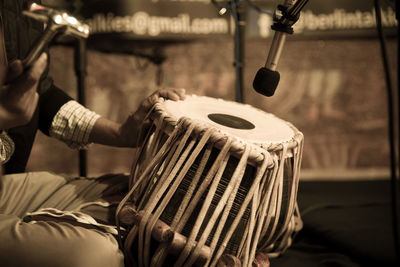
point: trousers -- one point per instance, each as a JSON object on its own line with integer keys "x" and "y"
{"x": 62, "y": 239}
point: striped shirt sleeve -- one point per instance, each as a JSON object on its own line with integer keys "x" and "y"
{"x": 7, "y": 147}
{"x": 72, "y": 124}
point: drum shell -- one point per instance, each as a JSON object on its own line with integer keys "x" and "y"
{"x": 282, "y": 158}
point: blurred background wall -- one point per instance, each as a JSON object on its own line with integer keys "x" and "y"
{"x": 332, "y": 89}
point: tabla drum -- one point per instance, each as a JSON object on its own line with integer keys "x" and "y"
{"x": 214, "y": 178}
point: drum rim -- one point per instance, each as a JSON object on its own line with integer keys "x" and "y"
{"x": 258, "y": 149}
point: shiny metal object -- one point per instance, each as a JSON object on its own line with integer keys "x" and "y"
{"x": 275, "y": 50}
{"x": 56, "y": 22}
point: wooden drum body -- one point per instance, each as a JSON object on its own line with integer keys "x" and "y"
{"x": 214, "y": 178}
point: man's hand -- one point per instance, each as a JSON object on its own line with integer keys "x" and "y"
{"x": 127, "y": 134}
{"x": 18, "y": 97}
{"x": 130, "y": 130}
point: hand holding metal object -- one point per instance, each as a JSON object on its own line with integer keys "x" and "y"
{"x": 56, "y": 22}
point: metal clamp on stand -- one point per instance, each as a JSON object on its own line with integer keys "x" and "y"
{"x": 284, "y": 20}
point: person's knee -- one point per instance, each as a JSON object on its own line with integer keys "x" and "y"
{"x": 97, "y": 250}
{"x": 57, "y": 244}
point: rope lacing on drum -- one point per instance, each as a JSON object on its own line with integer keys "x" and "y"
{"x": 166, "y": 168}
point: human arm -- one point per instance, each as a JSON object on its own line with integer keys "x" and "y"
{"x": 110, "y": 133}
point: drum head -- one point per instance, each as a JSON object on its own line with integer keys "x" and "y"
{"x": 242, "y": 121}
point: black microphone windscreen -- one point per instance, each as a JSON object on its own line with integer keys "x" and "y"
{"x": 266, "y": 81}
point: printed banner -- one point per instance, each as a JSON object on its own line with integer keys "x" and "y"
{"x": 155, "y": 19}
{"x": 328, "y": 18}
{"x": 188, "y": 19}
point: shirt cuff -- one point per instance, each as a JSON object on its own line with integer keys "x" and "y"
{"x": 72, "y": 124}
{"x": 7, "y": 147}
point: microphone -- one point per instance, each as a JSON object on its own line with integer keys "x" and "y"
{"x": 267, "y": 78}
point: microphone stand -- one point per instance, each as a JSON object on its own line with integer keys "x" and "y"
{"x": 393, "y": 127}
{"x": 238, "y": 14}
{"x": 80, "y": 71}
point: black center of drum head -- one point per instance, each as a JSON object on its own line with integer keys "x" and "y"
{"x": 231, "y": 121}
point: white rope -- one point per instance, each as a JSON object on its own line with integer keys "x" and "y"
{"x": 160, "y": 167}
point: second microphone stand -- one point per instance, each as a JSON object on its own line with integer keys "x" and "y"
{"x": 238, "y": 13}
